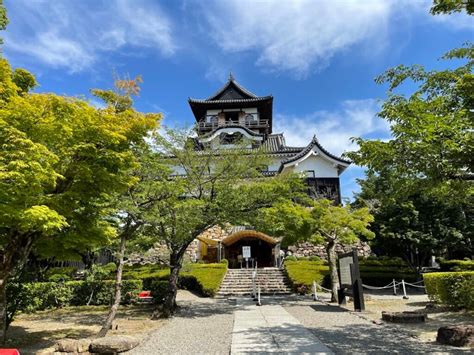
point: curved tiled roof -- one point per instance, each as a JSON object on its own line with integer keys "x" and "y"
{"x": 302, "y": 153}
{"x": 256, "y": 99}
{"x": 231, "y": 81}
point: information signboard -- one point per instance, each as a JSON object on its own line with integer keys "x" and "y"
{"x": 246, "y": 252}
{"x": 349, "y": 279}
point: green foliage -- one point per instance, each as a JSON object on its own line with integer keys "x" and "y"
{"x": 303, "y": 273}
{"x": 40, "y": 296}
{"x": 143, "y": 272}
{"x": 419, "y": 183}
{"x": 59, "y": 274}
{"x": 159, "y": 289}
{"x": 450, "y": 6}
{"x": 205, "y": 279}
{"x": 225, "y": 261}
{"x": 291, "y": 258}
{"x": 456, "y": 265}
{"x": 455, "y": 289}
{"x": 24, "y": 80}
{"x": 382, "y": 261}
{"x": 3, "y": 19}
{"x": 61, "y": 163}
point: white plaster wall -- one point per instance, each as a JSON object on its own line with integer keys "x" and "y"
{"x": 321, "y": 167}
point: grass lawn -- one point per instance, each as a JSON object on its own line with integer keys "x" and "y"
{"x": 38, "y": 332}
{"x": 302, "y": 273}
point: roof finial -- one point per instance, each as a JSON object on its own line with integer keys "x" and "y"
{"x": 231, "y": 76}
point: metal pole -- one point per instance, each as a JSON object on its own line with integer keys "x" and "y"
{"x": 258, "y": 300}
{"x": 254, "y": 293}
{"x": 405, "y": 297}
{"x": 315, "y": 291}
{"x": 394, "y": 287}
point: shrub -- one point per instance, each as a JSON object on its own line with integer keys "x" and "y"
{"x": 305, "y": 258}
{"x": 291, "y": 258}
{"x": 57, "y": 274}
{"x": 224, "y": 261}
{"x": 152, "y": 271}
{"x": 456, "y": 265}
{"x": 159, "y": 290}
{"x": 454, "y": 289}
{"x": 303, "y": 273}
{"x": 314, "y": 258}
{"x": 38, "y": 296}
{"x": 205, "y": 279}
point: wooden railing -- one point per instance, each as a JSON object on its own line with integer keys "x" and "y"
{"x": 203, "y": 125}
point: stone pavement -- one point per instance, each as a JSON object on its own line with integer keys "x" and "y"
{"x": 271, "y": 329}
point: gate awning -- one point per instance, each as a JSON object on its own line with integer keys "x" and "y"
{"x": 231, "y": 239}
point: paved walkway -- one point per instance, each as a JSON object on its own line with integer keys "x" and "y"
{"x": 271, "y": 329}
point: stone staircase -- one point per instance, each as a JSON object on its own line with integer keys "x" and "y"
{"x": 238, "y": 282}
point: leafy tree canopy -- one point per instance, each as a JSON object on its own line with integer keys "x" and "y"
{"x": 431, "y": 128}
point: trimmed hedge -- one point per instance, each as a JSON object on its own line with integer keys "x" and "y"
{"x": 39, "y": 296}
{"x": 302, "y": 273}
{"x": 454, "y": 289}
{"x": 204, "y": 279}
{"x": 456, "y": 265}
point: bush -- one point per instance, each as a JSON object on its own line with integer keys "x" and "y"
{"x": 225, "y": 261}
{"x": 456, "y": 265}
{"x": 57, "y": 274}
{"x": 39, "y": 296}
{"x": 205, "y": 279}
{"x": 291, "y": 258}
{"x": 454, "y": 289}
{"x": 303, "y": 273}
{"x": 159, "y": 289}
{"x": 302, "y": 258}
{"x": 383, "y": 261}
{"x": 140, "y": 272}
{"x": 314, "y": 258}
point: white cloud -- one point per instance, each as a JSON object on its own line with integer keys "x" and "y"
{"x": 354, "y": 118}
{"x": 74, "y": 35}
{"x": 297, "y": 36}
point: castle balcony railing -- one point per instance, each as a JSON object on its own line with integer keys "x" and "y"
{"x": 211, "y": 123}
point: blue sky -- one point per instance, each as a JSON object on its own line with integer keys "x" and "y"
{"x": 317, "y": 58}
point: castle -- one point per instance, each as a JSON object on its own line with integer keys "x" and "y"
{"x": 233, "y": 113}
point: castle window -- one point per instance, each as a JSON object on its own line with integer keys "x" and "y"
{"x": 232, "y": 117}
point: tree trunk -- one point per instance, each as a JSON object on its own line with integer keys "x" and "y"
{"x": 332, "y": 259}
{"x": 118, "y": 289}
{"x": 169, "y": 305}
{"x": 14, "y": 258}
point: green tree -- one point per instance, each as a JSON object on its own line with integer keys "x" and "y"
{"x": 319, "y": 222}
{"x": 416, "y": 224}
{"x": 450, "y": 6}
{"x": 207, "y": 189}
{"x": 431, "y": 129}
{"x": 61, "y": 162}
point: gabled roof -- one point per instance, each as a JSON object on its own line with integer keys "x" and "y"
{"x": 314, "y": 143}
{"x": 232, "y": 90}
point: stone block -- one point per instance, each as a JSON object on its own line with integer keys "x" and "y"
{"x": 113, "y": 344}
{"x": 73, "y": 345}
{"x": 458, "y": 335}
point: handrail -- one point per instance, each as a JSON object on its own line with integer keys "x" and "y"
{"x": 247, "y": 123}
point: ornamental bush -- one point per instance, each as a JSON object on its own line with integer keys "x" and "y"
{"x": 456, "y": 265}
{"x": 302, "y": 274}
{"x": 454, "y": 289}
{"x": 159, "y": 290}
{"x": 39, "y": 296}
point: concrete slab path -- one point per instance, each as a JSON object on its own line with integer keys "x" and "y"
{"x": 271, "y": 329}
